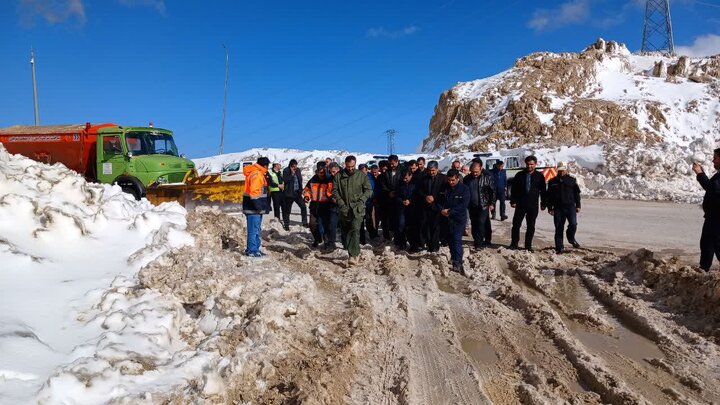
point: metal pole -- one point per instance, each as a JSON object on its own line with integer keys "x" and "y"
{"x": 35, "y": 96}
{"x": 222, "y": 127}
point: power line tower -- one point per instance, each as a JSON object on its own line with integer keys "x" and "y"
{"x": 391, "y": 141}
{"x": 657, "y": 32}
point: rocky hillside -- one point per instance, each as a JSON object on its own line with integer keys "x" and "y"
{"x": 651, "y": 114}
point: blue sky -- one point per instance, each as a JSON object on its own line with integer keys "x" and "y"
{"x": 330, "y": 74}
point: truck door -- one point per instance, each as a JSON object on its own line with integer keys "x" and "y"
{"x": 111, "y": 157}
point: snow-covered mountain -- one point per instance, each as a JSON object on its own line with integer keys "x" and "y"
{"x": 652, "y": 115}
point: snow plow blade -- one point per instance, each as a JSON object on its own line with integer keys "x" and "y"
{"x": 203, "y": 191}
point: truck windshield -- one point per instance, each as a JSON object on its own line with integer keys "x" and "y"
{"x": 150, "y": 143}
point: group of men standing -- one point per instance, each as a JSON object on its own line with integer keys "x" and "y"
{"x": 420, "y": 208}
{"x": 417, "y": 207}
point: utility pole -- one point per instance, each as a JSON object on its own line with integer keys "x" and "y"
{"x": 657, "y": 31}
{"x": 222, "y": 126}
{"x": 391, "y": 141}
{"x": 35, "y": 96}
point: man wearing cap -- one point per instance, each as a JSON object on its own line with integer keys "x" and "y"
{"x": 563, "y": 203}
{"x": 350, "y": 192}
{"x": 528, "y": 186}
{"x": 389, "y": 182}
{"x": 429, "y": 193}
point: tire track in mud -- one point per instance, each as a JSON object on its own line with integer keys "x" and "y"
{"x": 439, "y": 371}
{"x": 638, "y": 358}
{"x": 508, "y": 334}
{"x": 496, "y": 340}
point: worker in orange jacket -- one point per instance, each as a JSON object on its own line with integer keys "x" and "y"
{"x": 318, "y": 192}
{"x": 255, "y": 203}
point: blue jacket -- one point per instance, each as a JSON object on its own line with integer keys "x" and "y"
{"x": 375, "y": 190}
{"x": 457, "y": 199}
{"x": 500, "y": 177}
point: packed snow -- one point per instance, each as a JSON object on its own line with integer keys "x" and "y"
{"x": 73, "y": 326}
{"x": 306, "y": 158}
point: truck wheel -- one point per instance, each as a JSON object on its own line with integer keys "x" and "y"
{"x": 132, "y": 186}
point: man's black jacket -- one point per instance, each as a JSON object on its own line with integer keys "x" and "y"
{"x": 519, "y": 194}
{"x": 563, "y": 191}
{"x": 711, "y": 200}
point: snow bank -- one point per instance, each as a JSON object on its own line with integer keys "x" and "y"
{"x": 74, "y": 328}
{"x": 306, "y": 158}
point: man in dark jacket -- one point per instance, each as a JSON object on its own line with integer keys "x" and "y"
{"x": 406, "y": 206}
{"x": 710, "y": 238}
{"x": 389, "y": 182}
{"x": 528, "y": 186}
{"x": 331, "y": 233}
{"x": 455, "y": 200}
{"x": 563, "y": 203}
{"x": 482, "y": 202}
{"x": 293, "y": 193}
{"x": 350, "y": 192}
{"x": 500, "y": 176}
{"x": 429, "y": 192}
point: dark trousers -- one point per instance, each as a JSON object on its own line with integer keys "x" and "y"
{"x": 320, "y": 221}
{"x": 431, "y": 229}
{"x": 529, "y": 214}
{"x": 368, "y": 224}
{"x": 411, "y": 226}
{"x": 501, "y": 201}
{"x": 277, "y": 202}
{"x": 330, "y": 235}
{"x": 390, "y": 218}
{"x": 709, "y": 243}
{"x": 421, "y": 219}
{"x": 455, "y": 242}
{"x": 561, "y": 215}
{"x": 403, "y": 232}
{"x": 287, "y": 208}
{"x": 480, "y": 225}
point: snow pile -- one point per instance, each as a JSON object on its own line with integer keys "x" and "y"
{"x": 74, "y": 327}
{"x": 267, "y": 324}
{"x": 306, "y": 159}
{"x": 651, "y": 116}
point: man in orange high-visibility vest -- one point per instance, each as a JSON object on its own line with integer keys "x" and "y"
{"x": 255, "y": 203}
{"x": 317, "y": 192}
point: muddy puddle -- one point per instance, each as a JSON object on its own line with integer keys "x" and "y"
{"x": 620, "y": 339}
{"x": 479, "y": 350}
{"x": 445, "y": 285}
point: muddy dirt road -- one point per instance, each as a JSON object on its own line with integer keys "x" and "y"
{"x": 591, "y": 326}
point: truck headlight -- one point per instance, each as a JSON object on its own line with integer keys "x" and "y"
{"x": 162, "y": 180}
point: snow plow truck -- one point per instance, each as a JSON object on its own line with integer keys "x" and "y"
{"x": 143, "y": 161}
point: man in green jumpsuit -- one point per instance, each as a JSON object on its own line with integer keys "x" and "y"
{"x": 351, "y": 189}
